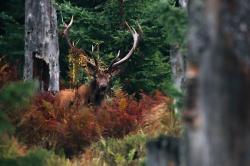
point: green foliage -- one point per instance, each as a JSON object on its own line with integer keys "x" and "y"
{"x": 14, "y": 97}
{"x": 12, "y": 29}
{"x": 127, "y": 151}
{"x": 163, "y": 26}
{"x": 12, "y": 37}
{"x": 4, "y": 123}
{"x": 101, "y": 22}
{"x": 38, "y": 157}
{"x": 173, "y": 21}
{"x": 9, "y": 147}
{"x": 175, "y": 94}
{"x": 150, "y": 73}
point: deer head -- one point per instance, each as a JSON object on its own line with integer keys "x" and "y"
{"x": 101, "y": 76}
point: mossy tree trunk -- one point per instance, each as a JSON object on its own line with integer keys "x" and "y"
{"x": 41, "y": 44}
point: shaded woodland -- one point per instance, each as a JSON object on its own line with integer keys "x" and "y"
{"x": 124, "y": 83}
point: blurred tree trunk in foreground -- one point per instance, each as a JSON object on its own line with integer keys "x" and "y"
{"x": 217, "y": 112}
{"x": 163, "y": 151}
{"x": 41, "y": 44}
{"x": 218, "y": 130}
{"x": 197, "y": 45}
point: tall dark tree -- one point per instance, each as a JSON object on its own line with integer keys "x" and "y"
{"x": 41, "y": 44}
{"x": 218, "y": 128}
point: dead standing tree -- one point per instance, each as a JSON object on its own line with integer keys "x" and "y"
{"x": 41, "y": 44}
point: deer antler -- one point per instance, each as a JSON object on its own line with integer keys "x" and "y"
{"x": 114, "y": 60}
{"x": 79, "y": 52}
{"x": 136, "y": 36}
{"x": 94, "y": 57}
{"x": 66, "y": 31}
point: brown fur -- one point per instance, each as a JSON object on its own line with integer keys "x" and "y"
{"x": 72, "y": 97}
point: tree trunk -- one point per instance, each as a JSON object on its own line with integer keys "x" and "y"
{"x": 41, "y": 44}
{"x": 194, "y": 140}
{"x": 182, "y": 3}
{"x": 163, "y": 151}
{"x": 218, "y": 132}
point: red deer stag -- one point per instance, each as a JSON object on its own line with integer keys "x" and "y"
{"x": 95, "y": 91}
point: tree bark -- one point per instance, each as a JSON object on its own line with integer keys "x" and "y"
{"x": 218, "y": 133}
{"x": 163, "y": 151}
{"x": 194, "y": 140}
{"x": 41, "y": 44}
{"x": 182, "y": 3}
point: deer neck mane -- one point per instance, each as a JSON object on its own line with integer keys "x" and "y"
{"x": 95, "y": 94}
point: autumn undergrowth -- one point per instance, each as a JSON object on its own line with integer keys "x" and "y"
{"x": 73, "y": 129}
{"x": 35, "y": 131}
{"x": 112, "y": 134}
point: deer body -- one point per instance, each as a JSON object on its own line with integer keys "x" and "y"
{"x": 68, "y": 97}
{"x": 95, "y": 91}
{"x": 92, "y": 93}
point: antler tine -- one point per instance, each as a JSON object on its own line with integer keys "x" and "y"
{"x": 125, "y": 58}
{"x": 140, "y": 28}
{"x": 114, "y": 60}
{"x": 67, "y": 26}
{"x": 95, "y": 59}
{"x": 66, "y": 31}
